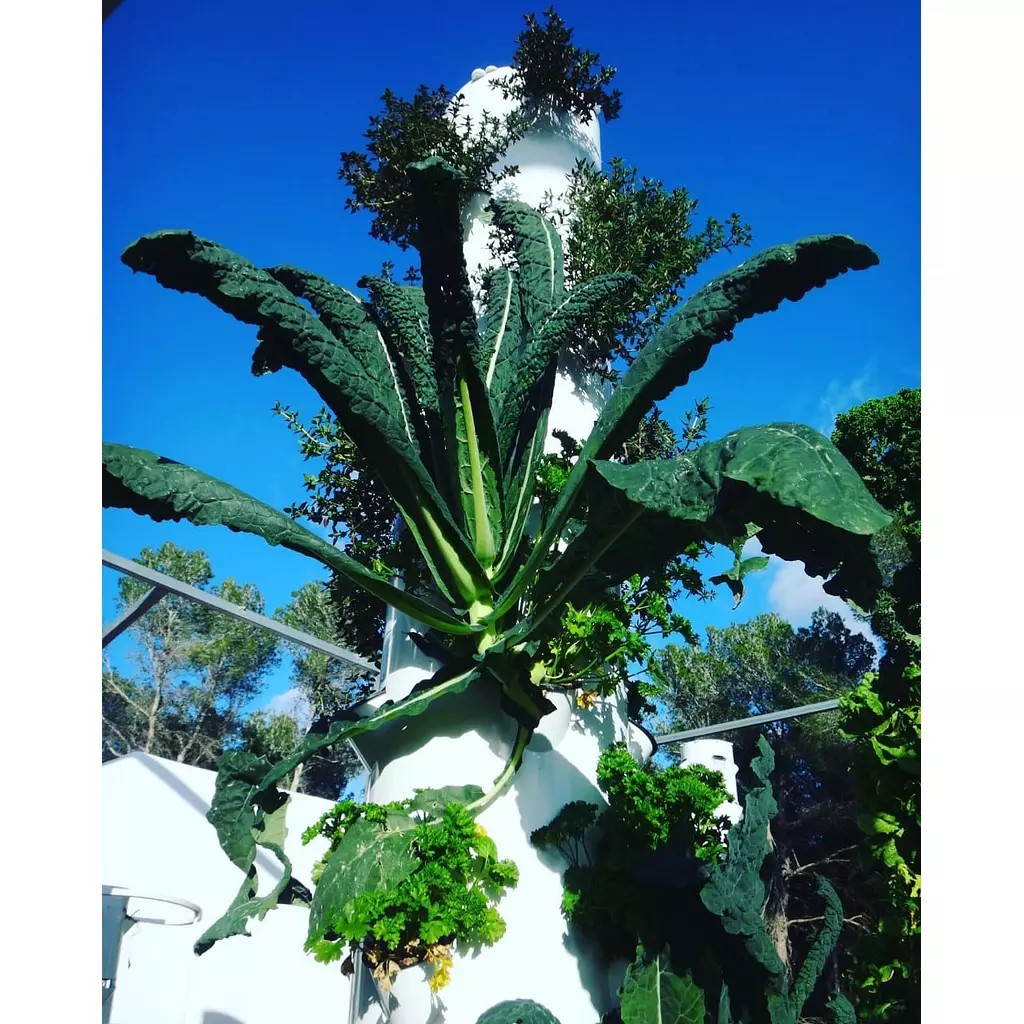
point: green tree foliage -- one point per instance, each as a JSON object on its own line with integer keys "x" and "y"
{"x": 882, "y": 717}
{"x": 324, "y": 688}
{"x": 198, "y": 670}
{"x": 625, "y": 222}
{"x": 758, "y": 666}
{"x": 346, "y": 498}
{"x": 553, "y": 77}
{"x": 766, "y": 665}
{"x": 409, "y": 130}
{"x": 195, "y": 669}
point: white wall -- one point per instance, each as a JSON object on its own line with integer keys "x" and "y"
{"x": 156, "y": 840}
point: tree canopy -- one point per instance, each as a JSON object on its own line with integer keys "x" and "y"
{"x": 195, "y": 674}
{"x": 882, "y": 718}
{"x": 195, "y": 670}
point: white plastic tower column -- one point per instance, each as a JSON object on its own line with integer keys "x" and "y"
{"x": 467, "y": 739}
{"x": 718, "y": 756}
{"x": 545, "y": 157}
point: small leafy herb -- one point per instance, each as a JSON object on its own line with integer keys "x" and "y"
{"x": 405, "y": 885}
{"x": 552, "y": 76}
{"x": 652, "y": 813}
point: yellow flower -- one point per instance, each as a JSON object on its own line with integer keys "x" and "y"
{"x": 441, "y": 957}
{"x": 586, "y": 699}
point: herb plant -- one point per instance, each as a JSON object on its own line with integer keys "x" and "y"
{"x": 406, "y": 883}
{"x": 655, "y": 816}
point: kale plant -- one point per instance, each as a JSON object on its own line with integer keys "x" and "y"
{"x": 451, "y": 413}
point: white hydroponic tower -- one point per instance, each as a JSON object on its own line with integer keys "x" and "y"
{"x": 466, "y": 738}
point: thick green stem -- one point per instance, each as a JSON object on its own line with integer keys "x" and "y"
{"x": 469, "y": 586}
{"x": 478, "y": 611}
{"x": 483, "y": 538}
{"x": 508, "y": 773}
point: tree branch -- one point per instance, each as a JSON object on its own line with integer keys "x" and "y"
{"x": 113, "y": 728}
{"x": 824, "y": 860}
{"x": 856, "y": 921}
{"x": 211, "y": 678}
{"x": 124, "y": 696}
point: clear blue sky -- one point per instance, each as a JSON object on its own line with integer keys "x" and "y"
{"x": 228, "y": 119}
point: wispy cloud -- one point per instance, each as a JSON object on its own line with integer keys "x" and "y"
{"x": 841, "y": 396}
{"x": 291, "y": 702}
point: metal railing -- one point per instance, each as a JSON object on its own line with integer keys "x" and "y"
{"x": 162, "y": 585}
{"x": 746, "y": 723}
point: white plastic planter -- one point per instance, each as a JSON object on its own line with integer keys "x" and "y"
{"x": 409, "y": 1000}
{"x": 719, "y": 757}
{"x": 553, "y": 726}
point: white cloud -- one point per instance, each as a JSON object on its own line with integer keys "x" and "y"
{"x": 796, "y": 596}
{"x": 291, "y": 702}
{"x": 751, "y": 548}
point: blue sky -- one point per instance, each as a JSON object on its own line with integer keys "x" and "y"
{"x": 228, "y": 119}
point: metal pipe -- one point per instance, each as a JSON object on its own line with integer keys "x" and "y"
{"x": 132, "y": 614}
{"x": 746, "y": 723}
{"x": 173, "y": 586}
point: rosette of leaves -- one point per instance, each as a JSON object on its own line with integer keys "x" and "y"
{"x": 410, "y": 882}
{"x": 451, "y": 413}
